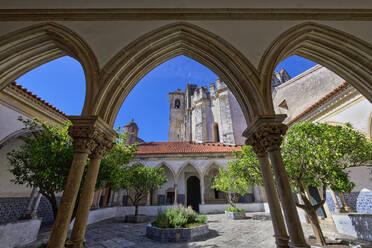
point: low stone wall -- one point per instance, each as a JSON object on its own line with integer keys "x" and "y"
{"x": 120, "y": 211}
{"x": 353, "y": 224}
{"x": 177, "y": 234}
{"x": 100, "y": 214}
{"x": 19, "y": 233}
{"x": 220, "y": 208}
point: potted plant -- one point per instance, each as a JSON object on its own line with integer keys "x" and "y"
{"x": 178, "y": 224}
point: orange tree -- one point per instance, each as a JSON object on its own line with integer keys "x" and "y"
{"x": 317, "y": 154}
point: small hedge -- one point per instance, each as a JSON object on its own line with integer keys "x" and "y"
{"x": 179, "y": 217}
{"x": 232, "y": 209}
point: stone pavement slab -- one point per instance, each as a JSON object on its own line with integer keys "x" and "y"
{"x": 256, "y": 231}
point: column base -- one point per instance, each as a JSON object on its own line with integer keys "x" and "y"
{"x": 298, "y": 246}
{"x": 281, "y": 241}
{"x": 74, "y": 244}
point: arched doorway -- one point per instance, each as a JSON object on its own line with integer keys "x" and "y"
{"x": 193, "y": 192}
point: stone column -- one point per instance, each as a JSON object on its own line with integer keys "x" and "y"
{"x": 112, "y": 194}
{"x": 36, "y": 206}
{"x": 106, "y": 197}
{"x": 27, "y": 214}
{"x": 345, "y": 207}
{"x": 268, "y": 130}
{"x": 325, "y": 206}
{"x": 99, "y": 197}
{"x": 120, "y": 197}
{"x": 83, "y": 132}
{"x": 104, "y": 142}
{"x": 175, "y": 194}
{"x": 148, "y": 200}
{"x": 337, "y": 205}
{"x": 202, "y": 190}
{"x": 280, "y": 232}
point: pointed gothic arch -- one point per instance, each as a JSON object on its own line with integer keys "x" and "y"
{"x": 165, "y": 165}
{"x": 184, "y": 165}
{"x": 133, "y": 62}
{"x": 343, "y": 53}
{"x": 30, "y": 47}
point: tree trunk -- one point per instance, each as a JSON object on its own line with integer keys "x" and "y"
{"x": 229, "y": 199}
{"x": 313, "y": 217}
{"x": 136, "y": 210}
{"x": 53, "y": 202}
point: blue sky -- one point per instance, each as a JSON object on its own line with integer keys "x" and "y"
{"x": 61, "y": 82}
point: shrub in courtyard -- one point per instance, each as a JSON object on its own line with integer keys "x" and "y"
{"x": 232, "y": 209}
{"x": 179, "y": 217}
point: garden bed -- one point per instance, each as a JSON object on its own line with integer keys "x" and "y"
{"x": 177, "y": 234}
{"x": 234, "y": 213}
{"x": 178, "y": 224}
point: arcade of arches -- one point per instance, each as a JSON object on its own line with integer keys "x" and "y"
{"x": 244, "y": 61}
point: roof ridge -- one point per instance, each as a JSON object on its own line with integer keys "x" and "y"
{"x": 38, "y": 98}
{"x": 323, "y": 99}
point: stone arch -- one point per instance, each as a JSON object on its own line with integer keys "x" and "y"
{"x": 16, "y": 134}
{"x": 133, "y": 62}
{"x": 210, "y": 165}
{"x": 165, "y": 165}
{"x": 344, "y": 54}
{"x": 212, "y": 195}
{"x": 198, "y": 171}
{"x": 30, "y": 47}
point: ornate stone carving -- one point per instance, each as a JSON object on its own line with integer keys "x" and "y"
{"x": 83, "y": 138}
{"x": 270, "y": 135}
{"x": 91, "y": 135}
{"x": 103, "y": 145}
{"x": 256, "y": 145}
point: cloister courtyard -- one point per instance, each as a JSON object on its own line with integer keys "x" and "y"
{"x": 255, "y": 231}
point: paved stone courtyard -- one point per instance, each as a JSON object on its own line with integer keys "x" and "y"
{"x": 255, "y": 231}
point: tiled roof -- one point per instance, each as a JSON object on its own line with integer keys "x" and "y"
{"x": 330, "y": 94}
{"x": 38, "y": 99}
{"x": 184, "y": 147}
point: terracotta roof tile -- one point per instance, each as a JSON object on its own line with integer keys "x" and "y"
{"x": 184, "y": 147}
{"x": 330, "y": 94}
{"x": 38, "y": 99}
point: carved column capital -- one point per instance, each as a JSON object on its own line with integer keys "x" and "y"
{"x": 103, "y": 145}
{"x": 266, "y": 133}
{"x": 256, "y": 146}
{"x": 91, "y": 134}
{"x": 83, "y": 139}
{"x": 270, "y": 135}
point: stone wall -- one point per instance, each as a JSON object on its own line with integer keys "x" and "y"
{"x": 359, "y": 202}
{"x": 12, "y": 208}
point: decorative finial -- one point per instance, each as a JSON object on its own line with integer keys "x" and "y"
{"x": 132, "y": 119}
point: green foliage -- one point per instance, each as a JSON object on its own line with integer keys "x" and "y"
{"x": 111, "y": 170}
{"x": 246, "y": 167}
{"x": 232, "y": 209}
{"x": 316, "y": 154}
{"x": 179, "y": 217}
{"x": 139, "y": 179}
{"x": 44, "y": 159}
{"x": 241, "y": 174}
